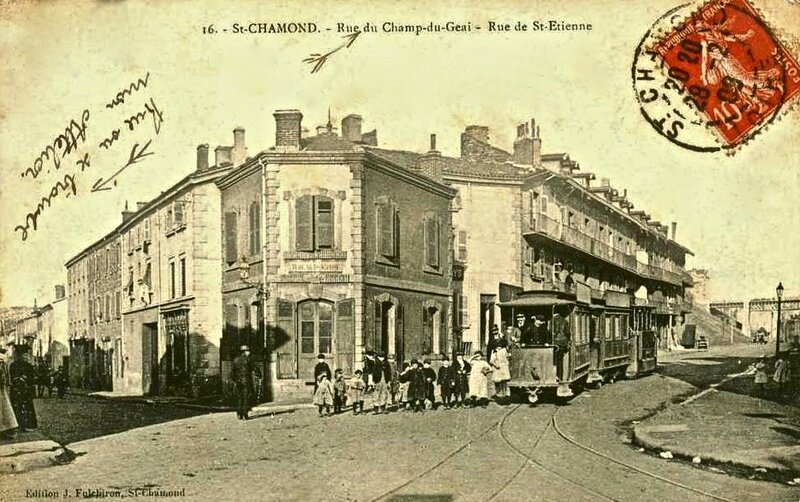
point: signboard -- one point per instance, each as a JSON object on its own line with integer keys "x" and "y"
{"x": 583, "y": 293}
{"x": 618, "y": 299}
{"x": 458, "y": 272}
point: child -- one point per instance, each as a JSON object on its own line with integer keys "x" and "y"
{"x": 323, "y": 397}
{"x": 405, "y": 380}
{"x": 339, "y": 392}
{"x": 430, "y": 383}
{"x": 761, "y": 377}
{"x": 446, "y": 383}
{"x": 355, "y": 392}
{"x": 417, "y": 387}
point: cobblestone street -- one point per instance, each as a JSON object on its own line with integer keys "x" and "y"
{"x": 499, "y": 453}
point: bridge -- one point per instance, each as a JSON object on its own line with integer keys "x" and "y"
{"x": 732, "y": 308}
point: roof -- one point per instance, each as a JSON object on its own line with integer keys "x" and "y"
{"x": 536, "y": 301}
{"x": 456, "y": 166}
{"x": 327, "y": 143}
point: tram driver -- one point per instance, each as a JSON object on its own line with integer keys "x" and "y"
{"x": 541, "y": 335}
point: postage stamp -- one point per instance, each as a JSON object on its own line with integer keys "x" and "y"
{"x": 710, "y": 78}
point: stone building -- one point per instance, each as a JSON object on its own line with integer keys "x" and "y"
{"x": 94, "y": 286}
{"x": 170, "y": 291}
{"x": 330, "y": 247}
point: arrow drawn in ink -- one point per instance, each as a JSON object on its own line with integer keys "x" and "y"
{"x": 318, "y": 60}
{"x": 135, "y": 156}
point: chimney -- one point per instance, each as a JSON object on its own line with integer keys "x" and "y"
{"x": 126, "y": 214}
{"x": 60, "y": 291}
{"x": 239, "y": 149}
{"x": 605, "y": 182}
{"x": 674, "y": 227}
{"x": 202, "y": 157}
{"x": 431, "y": 163}
{"x": 370, "y": 138}
{"x": 537, "y": 144}
{"x": 351, "y": 128}
{"x": 222, "y": 155}
{"x": 523, "y": 145}
{"x": 287, "y": 129}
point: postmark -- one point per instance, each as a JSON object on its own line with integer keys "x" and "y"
{"x": 711, "y": 77}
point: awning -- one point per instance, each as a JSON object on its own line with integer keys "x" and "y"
{"x": 536, "y": 302}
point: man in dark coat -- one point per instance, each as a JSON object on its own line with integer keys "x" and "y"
{"x": 460, "y": 376}
{"x": 242, "y": 373}
{"x": 382, "y": 380}
{"x": 321, "y": 368}
{"x": 23, "y": 390}
{"x": 561, "y": 339}
{"x": 541, "y": 335}
{"x": 417, "y": 388}
{"x": 430, "y": 383}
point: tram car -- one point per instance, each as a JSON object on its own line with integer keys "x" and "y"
{"x": 562, "y": 341}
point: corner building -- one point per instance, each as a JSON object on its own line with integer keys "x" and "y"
{"x": 330, "y": 247}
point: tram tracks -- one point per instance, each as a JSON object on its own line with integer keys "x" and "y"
{"x": 553, "y": 424}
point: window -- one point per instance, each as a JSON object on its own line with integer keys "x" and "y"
{"x": 316, "y": 327}
{"x": 314, "y": 223}
{"x": 543, "y": 204}
{"x": 169, "y": 220}
{"x": 108, "y": 308}
{"x": 431, "y": 237}
{"x": 183, "y": 276}
{"x": 532, "y": 208}
{"x": 129, "y": 287}
{"x": 463, "y": 310}
{"x": 431, "y": 332}
{"x": 230, "y": 238}
{"x": 116, "y": 304}
{"x": 147, "y": 230}
{"x": 255, "y": 229}
{"x": 172, "y": 278}
{"x": 462, "y": 245}
{"x": 387, "y": 233}
{"x": 178, "y": 213}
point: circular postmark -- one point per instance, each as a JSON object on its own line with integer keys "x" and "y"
{"x": 710, "y": 77}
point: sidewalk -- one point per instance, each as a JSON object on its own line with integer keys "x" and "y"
{"x": 29, "y": 451}
{"x": 728, "y": 426}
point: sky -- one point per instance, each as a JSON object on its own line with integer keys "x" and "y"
{"x": 739, "y": 214}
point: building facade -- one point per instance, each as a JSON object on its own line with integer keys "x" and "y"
{"x": 171, "y": 295}
{"x": 331, "y": 248}
{"x": 94, "y": 287}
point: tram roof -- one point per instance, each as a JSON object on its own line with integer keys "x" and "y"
{"x": 536, "y": 301}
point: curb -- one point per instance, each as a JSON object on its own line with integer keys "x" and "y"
{"x": 280, "y": 408}
{"x": 17, "y": 458}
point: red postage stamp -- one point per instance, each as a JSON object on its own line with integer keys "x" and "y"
{"x": 729, "y": 67}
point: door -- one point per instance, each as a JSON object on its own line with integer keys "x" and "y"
{"x": 315, "y": 325}
{"x": 487, "y": 319}
{"x": 150, "y": 358}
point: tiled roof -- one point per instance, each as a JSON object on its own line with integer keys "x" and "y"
{"x": 455, "y": 166}
{"x": 327, "y": 143}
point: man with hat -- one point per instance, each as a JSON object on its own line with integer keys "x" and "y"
{"x": 381, "y": 379}
{"x": 494, "y": 341}
{"x": 460, "y": 375}
{"x": 321, "y": 368}
{"x": 242, "y": 372}
{"x": 540, "y": 333}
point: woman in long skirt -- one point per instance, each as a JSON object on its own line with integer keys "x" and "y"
{"x": 501, "y": 374}
{"x": 479, "y": 379}
{"x": 8, "y": 421}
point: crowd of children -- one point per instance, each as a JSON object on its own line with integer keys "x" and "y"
{"x": 412, "y": 386}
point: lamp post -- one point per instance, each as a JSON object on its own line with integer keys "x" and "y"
{"x": 779, "y": 293}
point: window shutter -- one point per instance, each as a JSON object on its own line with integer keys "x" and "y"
{"x": 304, "y": 224}
{"x": 324, "y": 222}
{"x": 178, "y": 213}
{"x": 399, "y": 334}
{"x": 147, "y": 230}
{"x": 431, "y": 251}
{"x": 255, "y": 228}
{"x": 462, "y": 245}
{"x": 443, "y": 332}
{"x": 543, "y": 202}
{"x": 427, "y": 331}
{"x": 230, "y": 237}
{"x": 532, "y": 210}
{"x": 386, "y": 231}
{"x": 376, "y": 336}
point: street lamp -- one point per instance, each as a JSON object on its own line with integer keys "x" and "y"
{"x": 779, "y": 292}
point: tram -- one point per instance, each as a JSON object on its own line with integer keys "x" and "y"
{"x": 565, "y": 340}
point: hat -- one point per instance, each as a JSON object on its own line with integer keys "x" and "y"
{"x": 426, "y": 361}
{"x": 358, "y": 372}
{"x": 368, "y": 352}
{"x": 391, "y": 356}
{"x": 495, "y": 329}
{"x": 320, "y": 356}
{"x": 459, "y": 354}
{"x": 380, "y": 353}
{"x": 244, "y": 347}
{"x": 540, "y": 318}
{"x": 520, "y": 316}
{"x": 478, "y": 353}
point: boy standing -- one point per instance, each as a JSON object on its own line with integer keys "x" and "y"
{"x": 446, "y": 383}
{"x": 430, "y": 383}
{"x": 355, "y": 392}
{"x": 339, "y": 391}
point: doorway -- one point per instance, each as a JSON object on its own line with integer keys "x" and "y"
{"x": 150, "y": 364}
{"x": 315, "y": 335}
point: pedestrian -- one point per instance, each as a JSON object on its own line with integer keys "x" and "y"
{"x": 242, "y": 372}
{"x": 62, "y": 382}
{"x": 446, "y": 383}
{"x": 417, "y": 388}
{"x": 320, "y": 368}
{"x": 381, "y": 379}
{"x": 42, "y": 378}
{"x": 561, "y": 339}
{"x": 430, "y": 384}
{"x": 394, "y": 386}
{"x": 493, "y": 341}
{"x": 323, "y": 396}
{"x": 339, "y": 391}
{"x": 460, "y": 371}
{"x": 539, "y": 333}
{"x": 8, "y": 420}
{"x": 782, "y": 374}
{"x": 355, "y": 392}
{"x": 479, "y": 380}
{"x": 761, "y": 378}
{"x": 501, "y": 374}
{"x": 23, "y": 390}
{"x": 404, "y": 379}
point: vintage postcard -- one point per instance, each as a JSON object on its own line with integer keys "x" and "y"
{"x": 400, "y": 251}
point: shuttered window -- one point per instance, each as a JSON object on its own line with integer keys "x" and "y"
{"x": 255, "y": 228}
{"x": 387, "y": 230}
{"x": 230, "y": 238}
{"x": 178, "y": 213}
{"x": 314, "y": 227}
{"x": 431, "y": 230}
{"x": 462, "y": 245}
